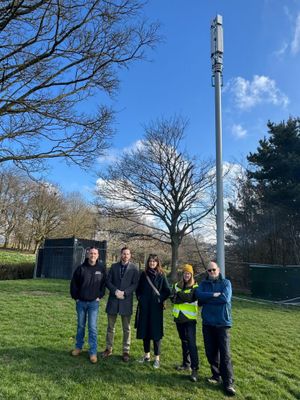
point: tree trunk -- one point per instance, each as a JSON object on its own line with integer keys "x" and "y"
{"x": 174, "y": 261}
{"x": 37, "y": 246}
{"x": 6, "y": 240}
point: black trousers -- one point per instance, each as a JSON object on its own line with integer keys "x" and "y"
{"x": 217, "y": 349}
{"x": 187, "y": 334}
{"x": 156, "y": 344}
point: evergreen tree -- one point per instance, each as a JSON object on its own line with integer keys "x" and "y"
{"x": 269, "y": 203}
{"x": 277, "y": 166}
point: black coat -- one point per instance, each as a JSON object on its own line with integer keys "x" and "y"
{"x": 149, "y": 318}
{"x": 88, "y": 282}
{"x": 128, "y": 284}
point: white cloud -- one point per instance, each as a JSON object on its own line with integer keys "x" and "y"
{"x": 282, "y": 50}
{"x": 238, "y": 131}
{"x": 135, "y": 146}
{"x": 262, "y": 89}
{"x": 112, "y": 155}
{"x": 109, "y": 158}
{"x": 120, "y": 200}
{"x": 288, "y": 13}
{"x": 295, "y": 45}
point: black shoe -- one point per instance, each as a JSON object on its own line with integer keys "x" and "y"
{"x": 183, "y": 367}
{"x": 230, "y": 390}
{"x": 194, "y": 375}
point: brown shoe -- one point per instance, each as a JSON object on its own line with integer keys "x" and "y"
{"x": 76, "y": 352}
{"x": 106, "y": 353}
{"x": 125, "y": 357}
{"x": 93, "y": 359}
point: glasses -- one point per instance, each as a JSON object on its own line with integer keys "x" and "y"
{"x": 212, "y": 270}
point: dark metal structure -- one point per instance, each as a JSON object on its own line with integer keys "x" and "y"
{"x": 58, "y": 258}
{"x": 275, "y": 282}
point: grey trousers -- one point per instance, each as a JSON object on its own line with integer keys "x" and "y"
{"x": 111, "y": 319}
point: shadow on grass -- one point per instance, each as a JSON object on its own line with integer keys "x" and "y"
{"x": 60, "y": 366}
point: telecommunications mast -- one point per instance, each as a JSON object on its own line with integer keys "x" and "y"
{"x": 216, "y": 30}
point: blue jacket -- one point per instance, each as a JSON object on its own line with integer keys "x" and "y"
{"x": 216, "y": 311}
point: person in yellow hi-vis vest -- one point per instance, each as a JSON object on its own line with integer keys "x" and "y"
{"x": 185, "y": 311}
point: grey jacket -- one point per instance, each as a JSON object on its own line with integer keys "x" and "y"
{"x": 128, "y": 284}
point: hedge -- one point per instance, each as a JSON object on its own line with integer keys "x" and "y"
{"x": 18, "y": 271}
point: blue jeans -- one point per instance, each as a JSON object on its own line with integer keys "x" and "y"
{"x": 87, "y": 309}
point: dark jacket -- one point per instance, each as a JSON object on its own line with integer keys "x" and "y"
{"x": 216, "y": 311}
{"x": 127, "y": 284}
{"x": 88, "y": 282}
{"x": 149, "y": 321}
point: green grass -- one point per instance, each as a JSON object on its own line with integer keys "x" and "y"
{"x": 11, "y": 257}
{"x": 38, "y": 323}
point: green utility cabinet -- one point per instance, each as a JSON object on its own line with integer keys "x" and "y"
{"x": 275, "y": 282}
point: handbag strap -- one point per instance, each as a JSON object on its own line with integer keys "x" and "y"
{"x": 153, "y": 287}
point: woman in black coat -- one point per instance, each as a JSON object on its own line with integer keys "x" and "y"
{"x": 153, "y": 289}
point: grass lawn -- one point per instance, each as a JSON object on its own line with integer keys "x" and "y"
{"x": 38, "y": 325}
{"x": 12, "y": 257}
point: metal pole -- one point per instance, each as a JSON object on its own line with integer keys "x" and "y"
{"x": 219, "y": 176}
{"x": 217, "y": 67}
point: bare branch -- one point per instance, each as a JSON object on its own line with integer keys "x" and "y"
{"x": 55, "y": 55}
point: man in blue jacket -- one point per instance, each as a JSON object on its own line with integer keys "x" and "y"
{"x": 214, "y": 294}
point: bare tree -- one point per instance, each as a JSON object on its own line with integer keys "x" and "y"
{"x": 29, "y": 210}
{"x": 230, "y": 185}
{"x": 54, "y": 55}
{"x": 121, "y": 232}
{"x": 78, "y": 218}
{"x": 45, "y": 207}
{"x": 13, "y": 198}
{"x": 160, "y": 185}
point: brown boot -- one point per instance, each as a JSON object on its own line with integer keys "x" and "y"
{"x": 76, "y": 352}
{"x": 125, "y": 356}
{"x": 93, "y": 359}
{"x": 106, "y": 353}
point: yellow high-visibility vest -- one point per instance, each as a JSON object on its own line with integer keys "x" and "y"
{"x": 190, "y": 310}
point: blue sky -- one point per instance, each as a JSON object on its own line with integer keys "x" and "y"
{"x": 261, "y": 79}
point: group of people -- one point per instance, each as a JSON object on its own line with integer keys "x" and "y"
{"x": 152, "y": 289}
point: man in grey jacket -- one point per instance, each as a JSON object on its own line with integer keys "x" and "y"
{"x": 121, "y": 282}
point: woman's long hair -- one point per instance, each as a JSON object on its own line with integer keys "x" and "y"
{"x": 182, "y": 283}
{"x": 158, "y": 268}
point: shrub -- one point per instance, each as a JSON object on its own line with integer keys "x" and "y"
{"x": 17, "y": 271}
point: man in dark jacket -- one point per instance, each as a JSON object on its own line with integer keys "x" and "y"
{"x": 214, "y": 294}
{"x": 87, "y": 288}
{"x": 122, "y": 280}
